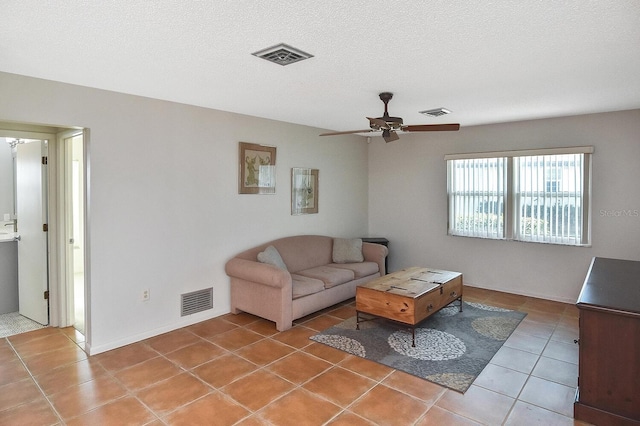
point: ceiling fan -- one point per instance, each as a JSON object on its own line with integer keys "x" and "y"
{"x": 389, "y": 125}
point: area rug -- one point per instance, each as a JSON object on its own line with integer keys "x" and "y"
{"x": 452, "y": 347}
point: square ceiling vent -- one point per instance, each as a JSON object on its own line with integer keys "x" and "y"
{"x": 282, "y": 54}
{"x": 438, "y": 112}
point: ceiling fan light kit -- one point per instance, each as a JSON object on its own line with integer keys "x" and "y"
{"x": 390, "y": 125}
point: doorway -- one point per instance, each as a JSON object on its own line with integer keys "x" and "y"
{"x": 64, "y": 195}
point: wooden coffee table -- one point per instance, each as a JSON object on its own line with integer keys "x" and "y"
{"x": 408, "y": 296}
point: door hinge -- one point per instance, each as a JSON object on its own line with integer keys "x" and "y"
{"x": 44, "y": 161}
{"x": 46, "y": 295}
{"x": 45, "y": 227}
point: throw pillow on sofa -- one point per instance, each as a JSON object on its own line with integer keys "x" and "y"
{"x": 271, "y": 256}
{"x": 347, "y": 250}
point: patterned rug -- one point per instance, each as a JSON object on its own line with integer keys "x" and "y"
{"x": 452, "y": 347}
{"x": 14, "y": 323}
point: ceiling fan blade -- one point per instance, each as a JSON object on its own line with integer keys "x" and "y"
{"x": 378, "y": 123}
{"x": 347, "y": 132}
{"x": 431, "y": 128}
{"x": 390, "y": 136}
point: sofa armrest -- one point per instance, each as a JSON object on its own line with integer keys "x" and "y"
{"x": 257, "y": 272}
{"x": 375, "y": 253}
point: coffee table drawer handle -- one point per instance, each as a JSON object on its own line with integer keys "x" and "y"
{"x": 430, "y": 307}
{"x": 454, "y": 294}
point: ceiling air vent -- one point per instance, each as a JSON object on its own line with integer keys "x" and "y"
{"x": 438, "y": 112}
{"x": 196, "y": 301}
{"x": 282, "y": 54}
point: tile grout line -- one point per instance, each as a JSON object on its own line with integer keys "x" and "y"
{"x": 35, "y": 382}
{"x": 128, "y": 392}
{"x": 539, "y": 356}
{"x": 531, "y": 375}
{"x": 296, "y": 349}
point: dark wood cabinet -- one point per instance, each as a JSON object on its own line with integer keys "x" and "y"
{"x": 609, "y": 355}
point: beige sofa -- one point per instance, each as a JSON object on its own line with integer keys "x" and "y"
{"x": 318, "y": 274}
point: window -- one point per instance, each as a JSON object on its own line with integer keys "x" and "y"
{"x": 477, "y": 194}
{"x": 535, "y": 195}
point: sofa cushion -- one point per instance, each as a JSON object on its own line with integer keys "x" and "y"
{"x": 303, "y": 286}
{"x": 271, "y": 256}
{"x": 362, "y": 269}
{"x": 347, "y": 250}
{"x": 304, "y": 251}
{"x": 331, "y": 277}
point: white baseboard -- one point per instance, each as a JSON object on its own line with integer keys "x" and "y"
{"x": 528, "y": 294}
{"x": 183, "y": 322}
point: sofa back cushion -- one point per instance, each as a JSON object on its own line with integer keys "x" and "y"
{"x": 298, "y": 252}
{"x": 347, "y": 250}
{"x": 305, "y": 251}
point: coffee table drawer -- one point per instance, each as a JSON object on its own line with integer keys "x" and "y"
{"x": 451, "y": 291}
{"x": 427, "y": 305}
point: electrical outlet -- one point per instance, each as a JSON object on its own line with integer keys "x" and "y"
{"x": 146, "y": 294}
{"x": 7, "y": 217}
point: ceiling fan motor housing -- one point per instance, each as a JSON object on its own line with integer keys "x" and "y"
{"x": 392, "y": 122}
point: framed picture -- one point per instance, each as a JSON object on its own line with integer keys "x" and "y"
{"x": 304, "y": 191}
{"x": 257, "y": 171}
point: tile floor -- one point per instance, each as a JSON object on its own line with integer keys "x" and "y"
{"x": 238, "y": 370}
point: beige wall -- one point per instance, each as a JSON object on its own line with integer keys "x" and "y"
{"x": 411, "y": 175}
{"x": 164, "y": 208}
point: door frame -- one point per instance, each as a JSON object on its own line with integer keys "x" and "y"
{"x": 56, "y": 256}
{"x": 66, "y": 293}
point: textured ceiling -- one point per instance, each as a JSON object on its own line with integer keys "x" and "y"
{"x": 487, "y": 61}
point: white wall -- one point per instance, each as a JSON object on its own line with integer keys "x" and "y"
{"x": 408, "y": 203}
{"x": 165, "y": 213}
{"x": 164, "y": 208}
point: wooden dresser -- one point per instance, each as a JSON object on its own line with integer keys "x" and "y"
{"x": 609, "y": 355}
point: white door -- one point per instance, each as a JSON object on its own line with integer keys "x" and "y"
{"x": 31, "y": 215}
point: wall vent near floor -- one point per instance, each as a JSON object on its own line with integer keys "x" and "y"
{"x": 196, "y": 301}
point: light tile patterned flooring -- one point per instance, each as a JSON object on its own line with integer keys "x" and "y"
{"x": 238, "y": 370}
{"x": 14, "y": 323}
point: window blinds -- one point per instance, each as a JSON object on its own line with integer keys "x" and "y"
{"x": 539, "y": 195}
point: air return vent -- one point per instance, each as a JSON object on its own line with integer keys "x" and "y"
{"x": 436, "y": 112}
{"x": 196, "y": 301}
{"x": 282, "y": 54}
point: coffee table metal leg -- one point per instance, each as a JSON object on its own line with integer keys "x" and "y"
{"x": 413, "y": 337}
{"x": 357, "y": 320}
